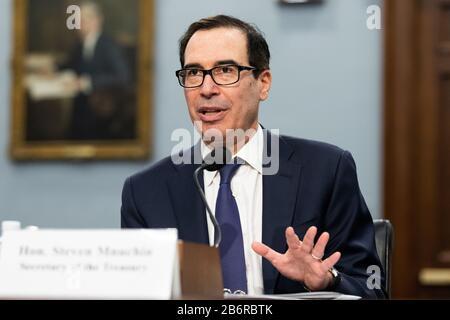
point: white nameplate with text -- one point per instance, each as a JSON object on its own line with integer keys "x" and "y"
{"x": 89, "y": 264}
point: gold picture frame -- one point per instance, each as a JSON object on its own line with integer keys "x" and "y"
{"x": 43, "y": 125}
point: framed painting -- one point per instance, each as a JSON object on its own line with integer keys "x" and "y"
{"x": 82, "y": 79}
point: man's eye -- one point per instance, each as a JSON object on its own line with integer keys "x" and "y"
{"x": 192, "y": 72}
{"x": 226, "y": 69}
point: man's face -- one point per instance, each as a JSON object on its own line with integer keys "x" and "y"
{"x": 90, "y": 21}
{"x": 224, "y": 106}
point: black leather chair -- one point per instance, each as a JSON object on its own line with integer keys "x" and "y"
{"x": 384, "y": 240}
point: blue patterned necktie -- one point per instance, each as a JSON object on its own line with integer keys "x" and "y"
{"x": 232, "y": 246}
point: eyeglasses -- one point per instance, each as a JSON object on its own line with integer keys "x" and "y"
{"x": 221, "y": 75}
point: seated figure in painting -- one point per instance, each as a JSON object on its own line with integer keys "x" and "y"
{"x": 102, "y": 77}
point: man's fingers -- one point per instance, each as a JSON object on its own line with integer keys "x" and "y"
{"x": 292, "y": 239}
{"x": 329, "y": 262}
{"x": 265, "y": 251}
{"x": 308, "y": 240}
{"x": 319, "y": 249}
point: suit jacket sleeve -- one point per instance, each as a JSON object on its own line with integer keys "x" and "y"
{"x": 130, "y": 217}
{"x": 352, "y": 233}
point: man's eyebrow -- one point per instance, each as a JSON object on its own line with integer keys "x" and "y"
{"x": 193, "y": 65}
{"x": 222, "y": 62}
{"x": 218, "y": 63}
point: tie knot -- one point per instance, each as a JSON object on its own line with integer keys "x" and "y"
{"x": 227, "y": 172}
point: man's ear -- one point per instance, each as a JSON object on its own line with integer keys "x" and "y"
{"x": 265, "y": 79}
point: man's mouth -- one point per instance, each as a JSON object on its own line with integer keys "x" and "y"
{"x": 211, "y": 114}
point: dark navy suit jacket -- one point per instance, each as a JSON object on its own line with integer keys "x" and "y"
{"x": 316, "y": 185}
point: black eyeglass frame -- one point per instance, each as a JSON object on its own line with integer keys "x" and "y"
{"x": 209, "y": 71}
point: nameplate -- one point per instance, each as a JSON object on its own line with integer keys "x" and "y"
{"x": 89, "y": 264}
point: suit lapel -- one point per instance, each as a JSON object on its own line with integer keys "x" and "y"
{"x": 189, "y": 209}
{"x": 279, "y": 199}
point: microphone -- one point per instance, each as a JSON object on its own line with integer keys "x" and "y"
{"x": 217, "y": 159}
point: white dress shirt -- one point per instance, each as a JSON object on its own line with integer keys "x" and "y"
{"x": 246, "y": 186}
{"x": 89, "y": 44}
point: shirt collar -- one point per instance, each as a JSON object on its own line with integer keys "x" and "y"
{"x": 91, "y": 40}
{"x": 251, "y": 153}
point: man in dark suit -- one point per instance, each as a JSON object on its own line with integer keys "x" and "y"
{"x": 313, "y": 191}
{"x": 100, "y": 68}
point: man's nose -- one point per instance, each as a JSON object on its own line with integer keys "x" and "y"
{"x": 209, "y": 87}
